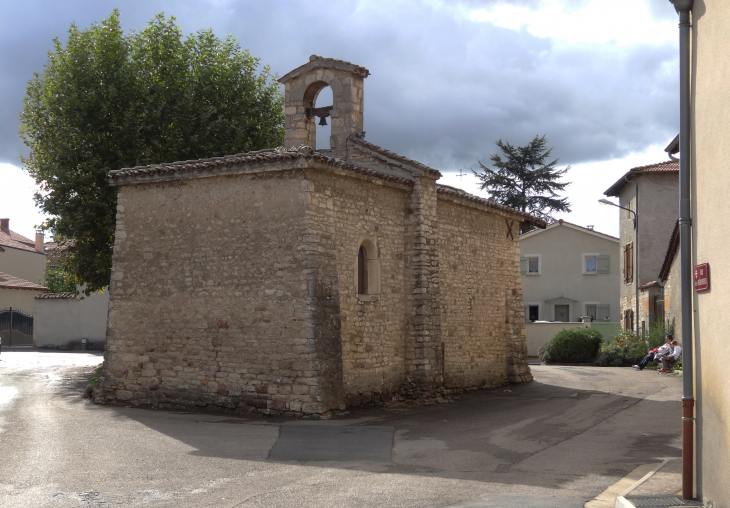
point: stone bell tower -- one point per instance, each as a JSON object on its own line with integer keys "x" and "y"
{"x": 302, "y": 86}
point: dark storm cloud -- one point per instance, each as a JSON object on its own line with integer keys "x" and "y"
{"x": 442, "y": 89}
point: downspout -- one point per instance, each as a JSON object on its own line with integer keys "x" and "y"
{"x": 683, "y": 7}
{"x": 636, "y": 258}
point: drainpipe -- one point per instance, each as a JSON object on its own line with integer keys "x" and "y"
{"x": 683, "y": 7}
{"x": 636, "y": 259}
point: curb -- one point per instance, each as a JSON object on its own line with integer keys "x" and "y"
{"x": 614, "y": 495}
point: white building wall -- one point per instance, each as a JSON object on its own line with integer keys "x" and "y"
{"x": 561, "y": 249}
{"x": 62, "y": 323}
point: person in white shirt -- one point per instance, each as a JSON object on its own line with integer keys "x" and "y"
{"x": 655, "y": 355}
{"x": 669, "y": 360}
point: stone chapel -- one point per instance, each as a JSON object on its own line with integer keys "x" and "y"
{"x": 305, "y": 281}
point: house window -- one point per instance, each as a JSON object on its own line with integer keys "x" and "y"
{"x": 362, "y": 271}
{"x": 368, "y": 268}
{"x": 531, "y": 264}
{"x": 629, "y": 263}
{"x": 628, "y": 319}
{"x": 591, "y": 264}
{"x": 592, "y": 312}
{"x": 533, "y": 312}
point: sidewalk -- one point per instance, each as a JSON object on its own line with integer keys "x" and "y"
{"x": 657, "y": 485}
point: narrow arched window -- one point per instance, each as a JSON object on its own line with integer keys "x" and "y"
{"x": 362, "y": 271}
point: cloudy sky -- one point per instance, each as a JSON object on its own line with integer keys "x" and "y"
{"x": 448, "y": 77}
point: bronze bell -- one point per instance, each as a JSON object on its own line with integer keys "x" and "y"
{"x": 322, "y": 120}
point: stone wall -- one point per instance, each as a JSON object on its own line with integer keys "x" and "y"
{"x": 212, "y": 297}
{"x": 346, "y": 211}
{"x": 481, "y": 297}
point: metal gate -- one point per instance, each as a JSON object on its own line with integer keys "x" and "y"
{"x": 14, "y": 320}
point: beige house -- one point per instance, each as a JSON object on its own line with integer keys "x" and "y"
{"x": 569, "y": 271}
{"x": 710, "y": 181}
{"x": 302, "y": 281}
{"x": 22, "y": 269}
{"x": 649, "y": 193}
{"x": 20, "y": 256}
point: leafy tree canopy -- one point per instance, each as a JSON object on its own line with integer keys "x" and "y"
{"x": 58, "y": 281}
{"x": 525, "y": 180}
{"x": 107, "y": 101}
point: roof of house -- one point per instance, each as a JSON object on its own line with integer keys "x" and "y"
{"x": 55, "y": 296}
{"x": 9, "y": 238}
{"x": 316, "y": 62}
{"x": 659, "y": 167}
{"x": 651, "y": 284}
{"x": 671, "y": 252}
{"x": 55, "y": 251}
{"x": 231, "y": 164}
{"x": 458, "y": 193}
{"x": 10, "y": 282}
{"x": 570, "y": 225}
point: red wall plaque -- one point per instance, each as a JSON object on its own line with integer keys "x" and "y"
{"x": 702, "y": 277}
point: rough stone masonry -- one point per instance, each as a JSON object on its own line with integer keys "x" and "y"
{"x": 300, "y": 281}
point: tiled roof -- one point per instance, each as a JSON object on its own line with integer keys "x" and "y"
{"x": 671, "y": 252}
{"x": 10, "y": 282}
{"x": 650, "y": 285}
{"x": 55, "y": 251}
{"x": 316, "y": 61}
{"x": 562, "y": 222}
{"x": 56, "y": 296}
{"x": 222, "y": 165}
{"x": 395, "y": 156}
{"x": 659, "y": 167}
{"x": 454, "y": 192}
{"x": 10, "y": 238}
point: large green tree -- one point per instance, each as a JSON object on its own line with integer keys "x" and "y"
{"x": 525, "y": 179}
{"x": 108, "y": 100}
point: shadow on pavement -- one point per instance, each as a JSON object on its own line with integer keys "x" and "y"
{"x": 535, "y": 434}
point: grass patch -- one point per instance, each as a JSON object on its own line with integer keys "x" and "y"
{"x": 97, "y": 374}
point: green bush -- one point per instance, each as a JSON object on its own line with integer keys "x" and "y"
{"x": 577, "y": 345}
{"x": 626, "y": 349}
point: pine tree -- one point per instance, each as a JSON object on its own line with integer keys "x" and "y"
{"x": 524, "y": 181}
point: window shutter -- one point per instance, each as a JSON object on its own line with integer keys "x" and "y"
{"x": 523, "y": 266}
{"x": 603, "y": 312}
{"x": 629, "y": 262}
{"x": 527, "y": 314}
{"x": 602, "y": 264}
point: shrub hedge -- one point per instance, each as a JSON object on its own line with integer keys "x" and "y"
{"x": 577, "y": 345}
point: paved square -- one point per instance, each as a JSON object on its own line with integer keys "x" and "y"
{"x": 314, "y": 442}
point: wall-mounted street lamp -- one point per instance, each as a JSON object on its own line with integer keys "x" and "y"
{"x": 607, "y": 202}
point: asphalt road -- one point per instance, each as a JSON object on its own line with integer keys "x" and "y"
{"x": 555, "y": 442}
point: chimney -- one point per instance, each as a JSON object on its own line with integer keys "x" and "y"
{"x": 5, "y": 224}
{"x": 39, "y": 241}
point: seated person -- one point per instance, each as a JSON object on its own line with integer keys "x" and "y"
{"x": 669, "y": 360}
{"x": 656, "y": 354}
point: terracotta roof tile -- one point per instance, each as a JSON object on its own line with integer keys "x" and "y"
{"x": 671, "y": 252}
{"x": 215, "y": 165}
{"x": 453, "y": 191}
{"x": 10, "y": 238}
{"x": 659, "y": 167}
{"x": 56, "y": 296}
{"x": 10, "y": 282}
{"x": 316, "y": 61}
{"x": 396, "y": 156}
